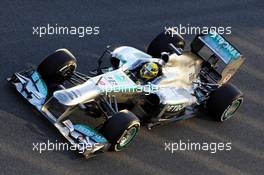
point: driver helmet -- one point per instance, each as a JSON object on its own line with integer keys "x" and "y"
{"x": 149, "y": 70}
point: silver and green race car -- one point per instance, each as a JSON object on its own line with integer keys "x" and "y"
{"x": 103, "y": 109}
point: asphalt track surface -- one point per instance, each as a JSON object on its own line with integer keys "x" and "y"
{"x": 132, "y": 23}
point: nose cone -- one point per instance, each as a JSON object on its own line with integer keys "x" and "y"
{"x": 77, "y": 94}
{"x": 64, "y": 97}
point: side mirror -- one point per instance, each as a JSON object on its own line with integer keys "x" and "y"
{"x": 177, "y": 50}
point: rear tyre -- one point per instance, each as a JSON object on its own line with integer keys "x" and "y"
{"x": 57, "y": 67}
{"x": 120, "y": 129}
{"x": 224, "y": 102}
{"x": 161, "y": 44}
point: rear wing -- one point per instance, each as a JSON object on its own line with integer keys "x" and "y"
{"x": 221, "y": 58}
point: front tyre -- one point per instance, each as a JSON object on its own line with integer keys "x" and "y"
{"x": 57, "y": 67}
{"x": 224, "y": 102}
{"x": 120, "y": 129}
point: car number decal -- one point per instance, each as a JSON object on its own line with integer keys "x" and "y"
{"x": 175, "y": 108}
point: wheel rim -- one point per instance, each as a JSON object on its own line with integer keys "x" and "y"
{"x": 127, "y": 137}
{"x": 231, "y": 109}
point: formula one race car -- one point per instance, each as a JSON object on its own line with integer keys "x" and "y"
{"x": 164, "y": 84}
